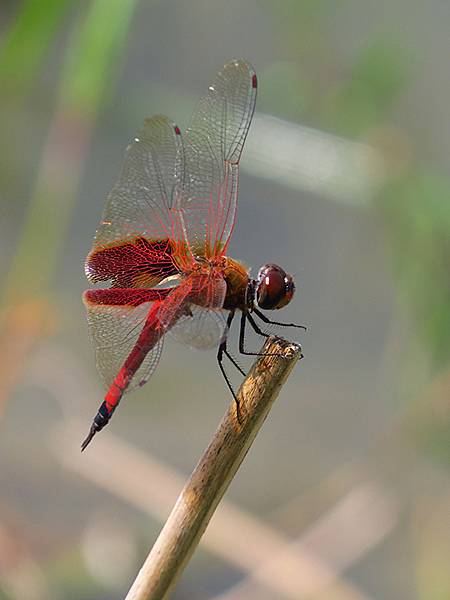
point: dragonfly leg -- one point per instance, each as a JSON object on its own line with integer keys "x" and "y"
{"x": 244, "y": 317}
{"x": 223, "y": 350}
{"x": 234, "y": 362}
{"x": 263, "y": 317}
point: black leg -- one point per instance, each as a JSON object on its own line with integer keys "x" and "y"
{"x": 223, "y": 350}
{"x": 244, "y": 317}
{"x": 234, "y": 362}
{"x": 257, "y": 329}
{"x": 263, "y": 317}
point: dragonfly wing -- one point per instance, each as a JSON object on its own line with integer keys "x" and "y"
{"x": 200, "y": 328}
{"x": 194, "y": 311}
{"x": 116, "y": 319}
{"x": 213, "y": 143}
{"x": 124, "y": 297}
{"x": 131, "y": 246}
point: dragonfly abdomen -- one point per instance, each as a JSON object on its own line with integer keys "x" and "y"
{"x": 150, "y": 335}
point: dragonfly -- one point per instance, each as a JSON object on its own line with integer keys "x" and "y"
{"x": 162, "y": 246}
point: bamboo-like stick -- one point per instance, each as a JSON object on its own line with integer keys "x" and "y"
{"x": 214, "y": 472}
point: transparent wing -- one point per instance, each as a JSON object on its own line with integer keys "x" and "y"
{"x": 200, "y": 328}
{"x": 213, "y": 144}
{"x": 139, "y": 219}
{"x": 192, "y": 312}
{"x": 114, "y": 332}
{"x": 123, "y": 322}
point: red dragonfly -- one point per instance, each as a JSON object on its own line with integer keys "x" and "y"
{"x": 162, "y": 245}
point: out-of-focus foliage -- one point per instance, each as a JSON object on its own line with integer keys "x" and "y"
{"x": 25, "y": 44}
{"x": 416, "y": 210}
{"x": 88, "y": 70}
{"x": 368, "y": 91}
{"x": 369, "y": 405}
{"x": 23, "y": 49}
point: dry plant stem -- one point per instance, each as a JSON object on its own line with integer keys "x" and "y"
{"x": 211, "y": 477}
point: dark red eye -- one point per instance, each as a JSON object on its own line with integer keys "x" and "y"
{"x": 274, "y": 287}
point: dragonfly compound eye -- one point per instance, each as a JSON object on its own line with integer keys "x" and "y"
{"x": 275, "y": 287}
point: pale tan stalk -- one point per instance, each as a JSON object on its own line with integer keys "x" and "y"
{"x": 214, "y": 472}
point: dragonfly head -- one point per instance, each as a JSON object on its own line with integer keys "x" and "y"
{"x": 274, "y": 287}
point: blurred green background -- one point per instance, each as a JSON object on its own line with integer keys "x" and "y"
{"x": 345, "y": 182}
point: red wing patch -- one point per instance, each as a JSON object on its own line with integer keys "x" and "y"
{"x": 137, "y": 264}
{"x": 124, "y": 296}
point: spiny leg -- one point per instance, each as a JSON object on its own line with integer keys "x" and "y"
{"x": 255, "y": 326}
{"x": 223, "y": 345}
{"x": 223, "y": 350}
{"x": 244, "y": 317}
{"x": 235, "y": 362}
{"x": 263, "y": 317}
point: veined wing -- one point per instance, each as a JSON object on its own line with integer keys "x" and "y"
{"x": 128, "y": 325}
{"x": 117, "y": 318}
{"x": 128, "y": 340}
{"x": 213, "y": 144}
{"x": 136, "y": 241}
{"x": 200, "y": 324}
{"x": 200, "y": 328}
{"x": 197, "y": 319}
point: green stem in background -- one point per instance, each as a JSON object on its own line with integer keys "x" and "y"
{"x": 26, "y": 42}
{"x": 89, "y": 68}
